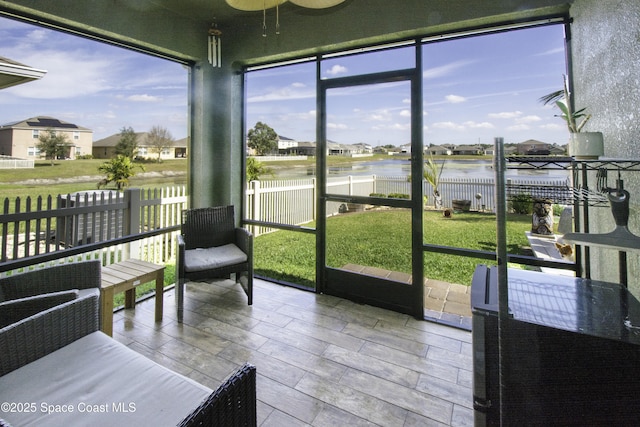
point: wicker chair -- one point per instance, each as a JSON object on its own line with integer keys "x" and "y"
{"x": 211, "y": 246}
{"x": 233, "y": 403}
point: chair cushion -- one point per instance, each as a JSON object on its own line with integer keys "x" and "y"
{"x": 202, "y": 259}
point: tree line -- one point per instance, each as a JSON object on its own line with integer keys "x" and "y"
{"x": 121, "y": 168}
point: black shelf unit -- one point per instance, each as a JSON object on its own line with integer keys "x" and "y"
{"x": 607, "y": 173}
{"x": 550, "y": 349}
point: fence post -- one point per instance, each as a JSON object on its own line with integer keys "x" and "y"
{"x": 314, "y": 191}
{"x": 132, "y": 220}
{"x": 255, "y": 215}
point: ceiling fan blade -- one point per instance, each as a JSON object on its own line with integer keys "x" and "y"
{"x": 253, "y": 5}
{"x": 317, "y": 4}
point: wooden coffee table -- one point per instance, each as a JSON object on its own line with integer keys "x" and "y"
{"x": 124, "y": 277}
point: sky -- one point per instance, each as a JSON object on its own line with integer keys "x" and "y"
{"x": 474, "y": 89}
{"x": 92, "y": 84}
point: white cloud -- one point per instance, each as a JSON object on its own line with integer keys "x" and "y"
{"x": 394, "y": 127}
{"x": 448, "y": 125}
{"x": 528, "y": 119}
{"x": 336, "y": 70}
{"x": 144, "y": 98}
{"x": 298, "y": 84}
{"x": 379, "y": 116}
{"x": 406, "y": 101}
{"x": 552, "y": 126}
{"x": 291, "y": 92}
{"x": 505, "y": 115}
{"x": 455, "y": 99}
{"x": 444, "y": 70}
{"x": 339, "y": 126}
{"x": 405, "y": 113}
{"x": 69, "y": 75}
{"x": 519, "y": 127}
{"x": 476, "y": 125}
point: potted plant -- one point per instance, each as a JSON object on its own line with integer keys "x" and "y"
{"x": 582, "y": 145}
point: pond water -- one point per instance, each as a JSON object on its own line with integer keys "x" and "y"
{"x": 401, "y": 167}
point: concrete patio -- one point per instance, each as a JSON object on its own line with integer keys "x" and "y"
{"x": 321, "y": 360}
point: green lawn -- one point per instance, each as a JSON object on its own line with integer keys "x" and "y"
{"x": 382, "y": 239}
{"x": 15, "y": 182}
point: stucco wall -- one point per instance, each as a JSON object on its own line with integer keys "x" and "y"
{"x": 606, "y": 69}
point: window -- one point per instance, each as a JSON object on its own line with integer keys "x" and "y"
{"x": 76, "y": 135}
{"x": 35, "y": 134}
{"x": 33, "y": 152}
{"x": 78, "y": 151}
{"x": 142, "y": 151}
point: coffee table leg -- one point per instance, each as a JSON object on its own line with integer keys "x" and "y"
{"x": 107, "y": 310}
{"x": 159, "y": 294}
{"x": 130, "y": 298}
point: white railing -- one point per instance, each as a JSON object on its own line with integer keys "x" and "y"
{"x": 7, "y": 162}
{"x": 46, "y": 228}
{"x": 293, "y": 202}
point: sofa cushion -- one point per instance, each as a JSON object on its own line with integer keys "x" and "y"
{"x": 201, "y": 259}
{"x": 96, "y": 381}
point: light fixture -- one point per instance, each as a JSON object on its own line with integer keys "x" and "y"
{"x": 215, "y": 53}
{"x": 263, "y": 5}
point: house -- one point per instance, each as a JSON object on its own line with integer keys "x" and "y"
{"x": 285, "y": 145}
{"x": 20, "y": 139}
{"x": 438, "y": 150}
{"x": 468, "y": 150}
{"x": 362, "y": 148}
{"x": 532, "y": 147}
{"x": 105, "y": 148}
{"x": 337, "y": 149}
{"x": 288, "y": 146}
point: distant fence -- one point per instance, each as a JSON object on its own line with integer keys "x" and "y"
{"x": 8, "y": 162}
{"x": 293, "y": 202}
{"x": 53, "y": 226}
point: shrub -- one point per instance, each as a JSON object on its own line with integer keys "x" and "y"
{"x": 398, "y": 196}
{"x": 522, "y": 203}
{"x": 557, "y": 209}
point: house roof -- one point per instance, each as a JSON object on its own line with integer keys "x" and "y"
{"x": 284, "y": 138}
{"x": 14, "y": 73}
{"x": 112, "y": 141}
{"x": 468, "y": 147}
{"x": 44, "y": 122}
{"x": 533, "y": 142}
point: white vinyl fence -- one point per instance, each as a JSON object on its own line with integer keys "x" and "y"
{"x": 293, "y": 202}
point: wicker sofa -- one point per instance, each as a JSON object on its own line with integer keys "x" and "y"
{"x": 57, "y": 368}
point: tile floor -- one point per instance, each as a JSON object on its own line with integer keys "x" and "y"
{"x": 321, "y": 360}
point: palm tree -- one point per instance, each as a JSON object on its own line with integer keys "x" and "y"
{"x": 432, "y": 175}
{"x": 255, "y": 169}
{"x": 118, "y": 170}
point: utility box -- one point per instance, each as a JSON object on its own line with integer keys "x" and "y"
{"x": 97, "y": 215}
